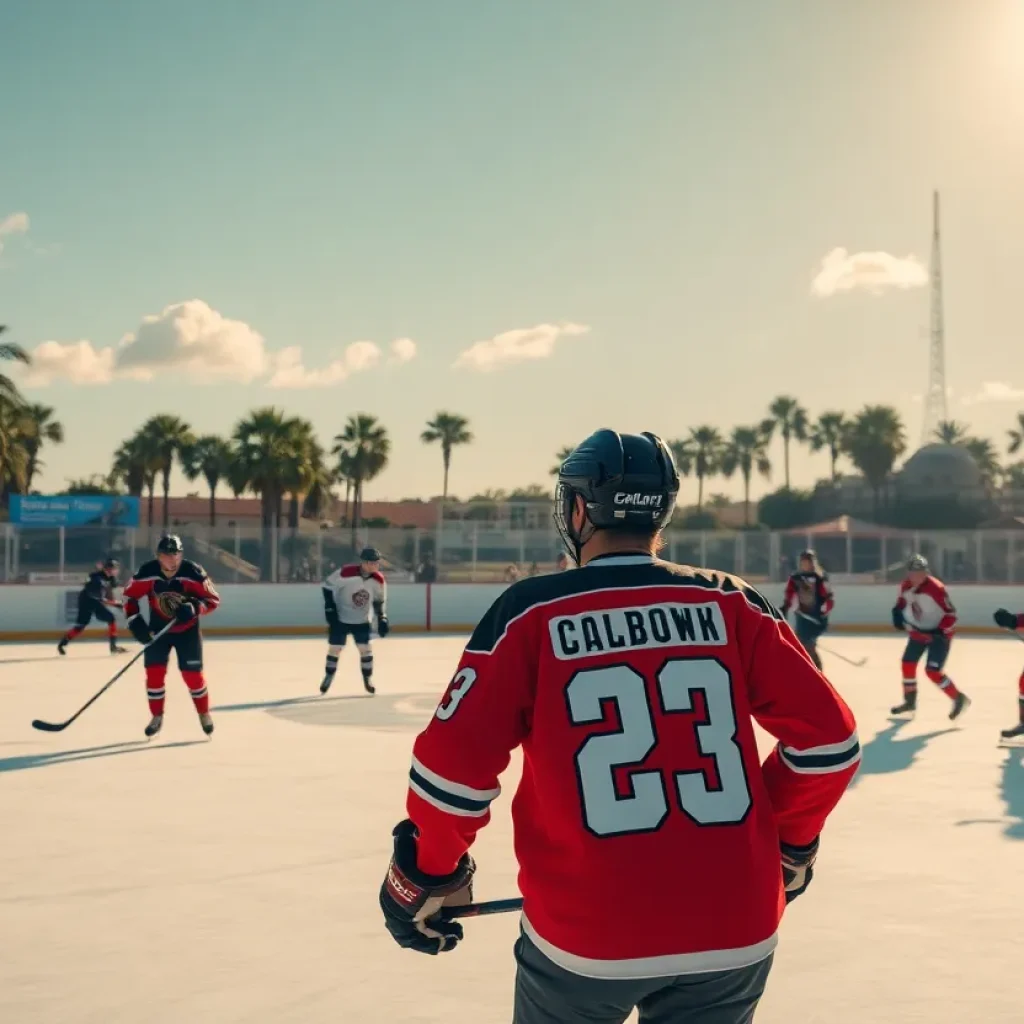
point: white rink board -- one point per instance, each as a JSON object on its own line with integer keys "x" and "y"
{"x": 234, "y": 881}
{"x": 30, "y": 612}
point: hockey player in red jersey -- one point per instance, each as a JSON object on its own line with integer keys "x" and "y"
{"x": 179, "y": 590}
{"x": 810, "y": 592}
{"x": 1009, "y": 620}
{"x": 350, "y": 593}
{"x": 925, "y": 611}
{"x": 656, "y": 851}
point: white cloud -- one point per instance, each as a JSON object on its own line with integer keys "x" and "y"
{"x": 874, "y": 272}
{"x": 289, "y": 372}
{"x": 192, "y": 338}
{"x": 517, "y": 346}
{"x": 995, "y": 391}
{"x": 13, "y": 224}
{"x": 403, "y": 350}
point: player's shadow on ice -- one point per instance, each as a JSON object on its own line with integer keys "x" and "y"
{"x": 888, "y": 752}
{"x": 24, "y": 761}
{"x": 1011, "y": 790}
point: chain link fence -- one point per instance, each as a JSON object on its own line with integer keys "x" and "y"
{"x": 479, "y": 552}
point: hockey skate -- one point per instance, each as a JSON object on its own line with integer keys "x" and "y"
{"x": 206, "y": 721}
{"x": 367, "y": 684}
{"x": 115, "y": 649}
{"x": 908, "y": 707}
{"x": 1014, "y": 733}
{"x": 326, "y": 684}
{"x": 62, "y": 647}
{"x": 960, "y": 704}
{"x": 155, "y": 725}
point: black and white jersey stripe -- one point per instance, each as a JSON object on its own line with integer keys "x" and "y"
{"x": 448, "y": 796}
{"x": 833, "y": 757}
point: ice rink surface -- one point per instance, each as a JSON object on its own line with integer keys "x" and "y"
{"x": 187, "y": 880}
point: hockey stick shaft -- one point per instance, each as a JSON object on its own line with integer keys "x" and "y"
{"x": 856, "y": 662}
{"x": 482, "y": 909}
{"x": 61, "y": 726}
{"x": 1014, "y": 633}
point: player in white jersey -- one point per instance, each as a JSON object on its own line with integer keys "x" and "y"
{"x": 350, "y": 594}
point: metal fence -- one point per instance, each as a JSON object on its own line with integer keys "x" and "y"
{"x": 462, "y": 552}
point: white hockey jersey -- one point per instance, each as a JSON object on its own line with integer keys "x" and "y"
{"x": 354, "y": 596}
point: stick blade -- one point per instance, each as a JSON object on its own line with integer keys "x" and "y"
{"x": 48, "y": 726}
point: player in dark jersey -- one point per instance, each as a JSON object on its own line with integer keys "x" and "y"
{"x": 179, "y": 590}
{"x": 1010, "y": 620}
{"x": 96, "y": 598}
{"x": 810, "y": 592}
{"x": 656, "y": 851}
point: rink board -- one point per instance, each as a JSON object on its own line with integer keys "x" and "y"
{"x": 234, "y": 881}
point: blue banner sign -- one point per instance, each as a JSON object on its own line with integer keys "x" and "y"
{"x": 74, "y": 510}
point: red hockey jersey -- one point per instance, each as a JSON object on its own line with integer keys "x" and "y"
{"x": 164, "y": 593}
{"x": 927, "y": 607}
{"x": 646, "y": 828}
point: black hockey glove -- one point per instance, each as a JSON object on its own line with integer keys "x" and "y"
{"x": 412, "y": 901}
{"x": 186, "y": 612}
{"x": 140, "y": 630}
{"x": 797, "y": 867}
{"x": 383, "y": 627}
{"x": 898, "y": 620}
{"x": 823, "y": 623}
{"x": 1005, "y": 619}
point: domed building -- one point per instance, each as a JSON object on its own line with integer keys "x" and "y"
{"x": 941, "y": 471}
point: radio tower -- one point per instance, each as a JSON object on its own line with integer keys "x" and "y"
{"x": 935, "y": 409}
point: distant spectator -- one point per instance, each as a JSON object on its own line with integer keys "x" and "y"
{"x": 512, "y": 573}
{"x": 562, "y": 562}
{"x": 427, "y": 572}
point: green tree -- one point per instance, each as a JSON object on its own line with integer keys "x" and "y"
{"x": 787, "y": 416}
{"x": 983, "y": 451}
{"x": 828, "y": 432}
{"x": 876, "y": 439}
{"x": 366, "y": 444}
{"x": 209, "y": 457}
{"x": 130, "y": 468}
{"x": 449, "y": 430}
{"x": 951, "y": 432}
{"x": 703, "y": 450}
{"x": 13, "y": 456}
{"x": 38, "y": 426}
{"x": 745, "y": 452}
{"x": 560, "y": 456}
{"x": 168, "y": 436}
{"x": 95, "y": 484}
{"x": 11, "y": 353}
{"x": 1016, "y": 435}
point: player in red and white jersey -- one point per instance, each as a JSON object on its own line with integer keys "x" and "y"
{"x": 925, "y": 611}
{"x": 1010, "y": 620}
{"x": 656, "y": 851}
{"x": 350, "y": 594}
{"x": 808, "y": 590}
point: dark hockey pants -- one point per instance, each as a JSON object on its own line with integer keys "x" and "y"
{"x": 807, "y": 633}
{"x": 548, "y": 994}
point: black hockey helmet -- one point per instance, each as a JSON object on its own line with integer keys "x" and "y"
{"x": 170, "y": 544}
{"x": 626, "y": 481}
{"x": 369, "y": 555}
{"x": 111, "y": 563}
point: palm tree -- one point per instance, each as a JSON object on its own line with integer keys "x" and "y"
{"x": 208, "y": 456}
{"x": 561, "y": 455}
{"x": 786, "y": 414}
{"x": 983, "y": 451}
{"x": 264, "y": 446}
{"x": 13, "y": 457}
{"x": 746, "y": 451}
{"x": 130, "y": 467}
{"x": 1013, "y": 477}
{"x": 38, "y": 426}
{"x": 875, "y": 440}
{"x": 169, "y": 436}
{"x": 950, "y": 432}
{"x": 10, "y": 352}
{"x": 682, "y": 455}
{"x": 1017, "y": 435}
{"x": 828, "y": 432}
{"x": 366, "y": 444}
{"x": 450, "y": 430}
{"x": 703, "y": 449}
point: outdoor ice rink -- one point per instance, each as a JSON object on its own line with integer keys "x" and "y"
{"x": 183, "y": 880}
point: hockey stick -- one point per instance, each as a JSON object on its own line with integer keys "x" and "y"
{"x": 1014, "y": 633}
{"x": 856, "y": 662}
{"x": 481, "y": 909}
{"x": 61, "y": 726}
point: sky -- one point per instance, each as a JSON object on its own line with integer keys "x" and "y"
{"x": 546, "y": 217}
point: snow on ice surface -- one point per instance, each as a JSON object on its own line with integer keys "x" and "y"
{"x": 235, "y": 880}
